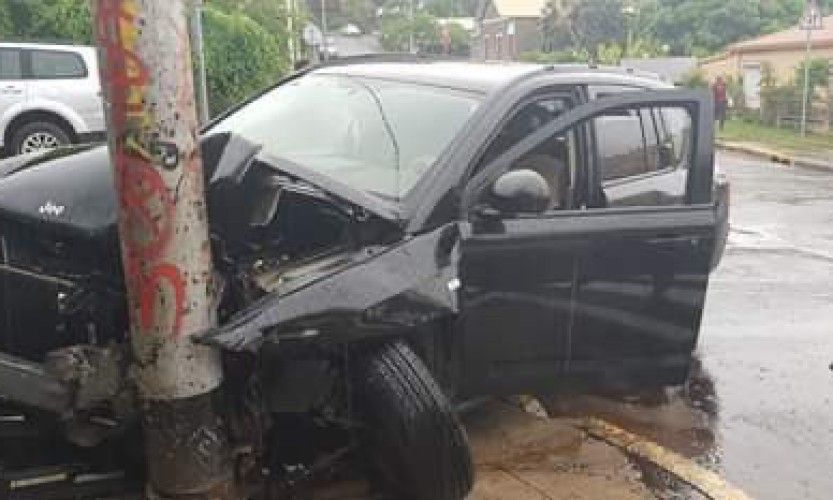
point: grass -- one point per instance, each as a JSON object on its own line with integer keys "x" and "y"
{"x": 781, "y": 139}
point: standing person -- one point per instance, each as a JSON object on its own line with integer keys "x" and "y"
{"x": 721, "y": 101}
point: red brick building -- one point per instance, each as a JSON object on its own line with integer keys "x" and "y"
{"x": 507, "y": 28}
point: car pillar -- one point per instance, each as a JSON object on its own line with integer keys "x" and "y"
{"x": 153, "y": 136}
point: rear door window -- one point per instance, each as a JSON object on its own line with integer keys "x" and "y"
{"x": 622, "y": 139}
{"x": 53, "y": 64}
{"x": 10, "y": 67}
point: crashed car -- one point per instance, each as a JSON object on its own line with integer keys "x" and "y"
{"x": 393, "y": 239}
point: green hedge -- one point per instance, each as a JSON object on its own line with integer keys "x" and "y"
{"x": 241, "y": 58}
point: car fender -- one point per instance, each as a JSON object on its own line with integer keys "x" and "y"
{"x": 379, "y": 293}
{"x": 75, "y": 120}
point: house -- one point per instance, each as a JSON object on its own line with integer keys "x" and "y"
{"x": 507, "y": 28}
{"x": 780, "y": 53}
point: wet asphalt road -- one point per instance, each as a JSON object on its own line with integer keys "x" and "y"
{"x": 759, "y": 411}
{"x": 767, "y": 335}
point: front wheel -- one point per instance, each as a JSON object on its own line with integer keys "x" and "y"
{"x": 38, "y": 136}
{"x": 418, "y": 446}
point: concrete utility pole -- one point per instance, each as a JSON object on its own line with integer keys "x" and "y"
{"x": 290, "y": 29}
{"x": 153, "y": 135}
{"x": 411, "y": 45}
{"x": 324, "y": 42}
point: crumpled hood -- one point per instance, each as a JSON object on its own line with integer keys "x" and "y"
{"x": 68, "y": 190}
{"x": 410, "y": 283}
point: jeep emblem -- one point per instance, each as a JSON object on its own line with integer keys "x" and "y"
{"x": 51, "y": 209}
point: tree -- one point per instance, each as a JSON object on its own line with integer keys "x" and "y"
{"x": 46, "y": 20}
{"x": 585, "y": 25}
{"x": 819, "y": 75}
{"x": 597, "y": 22}
{"x": 701, "y": 27}
{"x": 396, "y": 30}
{"x": 451, "y": 8}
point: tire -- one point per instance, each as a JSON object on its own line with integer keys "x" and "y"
{"x": 418, "y": 447}
{"x": 49, "y": 134}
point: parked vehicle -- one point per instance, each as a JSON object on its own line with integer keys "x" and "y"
{"x": 350, "y": 29}
{"x": 50, "y": 96}
{"x": 393, "y": 238}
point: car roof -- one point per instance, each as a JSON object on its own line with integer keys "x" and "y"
{"x": 484, "y": 77}
{"x": 47, "y": 46}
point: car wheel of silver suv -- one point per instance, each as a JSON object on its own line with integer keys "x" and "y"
{"x": 38, "y": 136}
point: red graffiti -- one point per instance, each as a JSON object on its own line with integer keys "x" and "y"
{"x": 142, "y": 184}
{"x": 152, "y": 285}
{"x": 147, "y": 208}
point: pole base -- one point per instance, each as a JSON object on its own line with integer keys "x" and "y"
{"x": 187, "y": 448}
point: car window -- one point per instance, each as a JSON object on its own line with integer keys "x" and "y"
{"x": 57, "y": 64}
{"x": 621, "y": 143}
{"x": 643, "y": 155}
{"x": 10, "y": 64}
{"x": 676, "y": 127}
{"x": 529, "y": 118}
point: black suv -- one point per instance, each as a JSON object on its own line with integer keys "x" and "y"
{"x": 392, "y": 236}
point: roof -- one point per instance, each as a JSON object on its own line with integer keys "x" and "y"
{"x": 481, "y": 77}
{"x": 516, "y": 8}
{"x": 45, "y": 46}
{"x": 787, "y": 39}
{"x": 478, "y": 77}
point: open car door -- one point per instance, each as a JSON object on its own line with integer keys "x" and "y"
{"x": 608, "y": 287}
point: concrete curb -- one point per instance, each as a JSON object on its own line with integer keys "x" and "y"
{"x": 776, "y": 156}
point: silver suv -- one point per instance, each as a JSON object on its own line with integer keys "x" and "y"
{"x": 50, "y": 95}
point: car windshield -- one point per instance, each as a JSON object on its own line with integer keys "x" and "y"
{"x": 378, "y": 136}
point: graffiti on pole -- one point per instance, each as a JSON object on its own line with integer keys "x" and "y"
{"x": 143, "y": 192}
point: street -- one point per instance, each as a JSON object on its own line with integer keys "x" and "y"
{"x": 757, "y": 412}
{"x": 766, "y": 339}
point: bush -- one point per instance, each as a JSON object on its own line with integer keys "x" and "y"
{"x": 819, "y": 74}
{"x": 396, "y": 31}
{"x": 694, "y": 79}
{"x": 779, "y": 100}
{"x": 460, "y": 39}
{"x": 241, "y": 58}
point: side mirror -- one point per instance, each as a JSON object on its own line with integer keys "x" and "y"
{"x": 520, "y": 191}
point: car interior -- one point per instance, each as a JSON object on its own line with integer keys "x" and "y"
{"x": 555, "y": 160}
